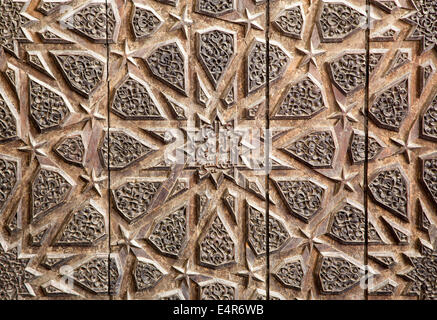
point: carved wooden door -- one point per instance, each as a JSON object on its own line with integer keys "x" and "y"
{"x": 218, "y": 149}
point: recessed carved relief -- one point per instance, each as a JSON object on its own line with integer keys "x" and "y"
{"x": 256, "y": 231}
{"x": 217, "y": 290}
{"x": 147, "y": 274}
{"x": 145, "y": 21}
{"x": 15, "y": 274}
{"x": 421, "y": 20}
{"x": 316, "y": 149}
{"x": 215, "y": 8}
{"x": 71, "y": 149}
{"x": 357, "y": 147}
{"x": 290, "y": 21}
{"x": 85, "y": 227}
{"x": 133, "y": 100}
{"x": 14, "y": 21}
{"x": 302, "y": 99}
{"x": 50, "y": 189}
{"x": 120, "y": 149}
{"x": 168, "y": 63}
{"x": 169, "y": 234}
{"x": 256, "y": 67}
{"x": 429, "y": 121}
{"x": 391, "y": 105}
{"x": 217, "y": 248}
{"x": 348, "y": 225}
{"x": 304, "y": 198}
{"x": 83, "y": 71}
{"x": 338, "y": 274}
{"x": 132, "y": 199}
{"x": 10, "y": 176}
{"x": 348, "y": 71}
{"x": 49, "y": 109}
{"x": 338, "y": 20}
{"x": 429, "y": 175}
{"x": 389, "y": 188}
{"x": 94, "y": 20}
{"x": 291, "y": 273}
{"x": 99, "y": 274}
{"x": 216, "y": 48}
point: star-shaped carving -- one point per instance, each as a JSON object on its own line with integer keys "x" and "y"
{"x": 249, "y": 21}
{"x": 34, "y": 148}
{"x": 183, "y": 22}
{"x": 344, "y": 181}
{"x": 14, "y": 20}
{"x": 344, "y": 115}
{"x": 127, "y": 241}
{"x": 309, "y": 238}
{"x": 406, "y": 148}
{"x": 250, "y": 274}
{"x": 127, "y": 55}
{"x": 186, "y": 275}
{"x": 15, "y": 274}
{"x": 93, "y": 181}
{"x": 93, "y": 114}
{"x": 423, "y": 20}
{"x": 310, "y": 55}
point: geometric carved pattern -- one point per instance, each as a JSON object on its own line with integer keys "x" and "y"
{"x": 120, "y": 149}
{"x": 169, "y": 235}
{"x": 389, "y": 189}
{"x": 168, "y": 62}
{"x": 316, "y": 148}
{"x": 134, "y": 100}
{"x": 257, "y": 71}
{"x": 303, "y": 100}
{"x": 338, "y": 274}
{"x": 144, "y": 21}
{"x": 290, "y": 21}
{"x": 71, "y": 149}
{"x": 83, "y": 72}
{"x": 8, "y": 120}
{"x": 146, "y": 274}
{"x": 338, "y": 20}
{"x": 215, "y": 50}
{"x": 10, "y": 176}
{"x": 85, "y": 227}
{"x": 429, "y": 121}
{"x": 304, "y": 198}
{"x": 172, "y": 199}
{"x": 348, "y": 225}
{"x": 429, "y": 175}
{"x": 15, "y": 275}
{"x": 216, "y": 247}
{"x": 391, "y": 105}
{"x": 48, "y": 108}
{"x": 348, "y": 72}
{"x": 256, "y": 227}
{"x": 50, "y": 189}
{"x": 132, "y": 199}
{"x": 357, "y": 147}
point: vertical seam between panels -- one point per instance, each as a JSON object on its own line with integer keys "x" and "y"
{"x": 267, "y": 148}
{"x": 366, "y": 153}
{"x": 107, "y": 160}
